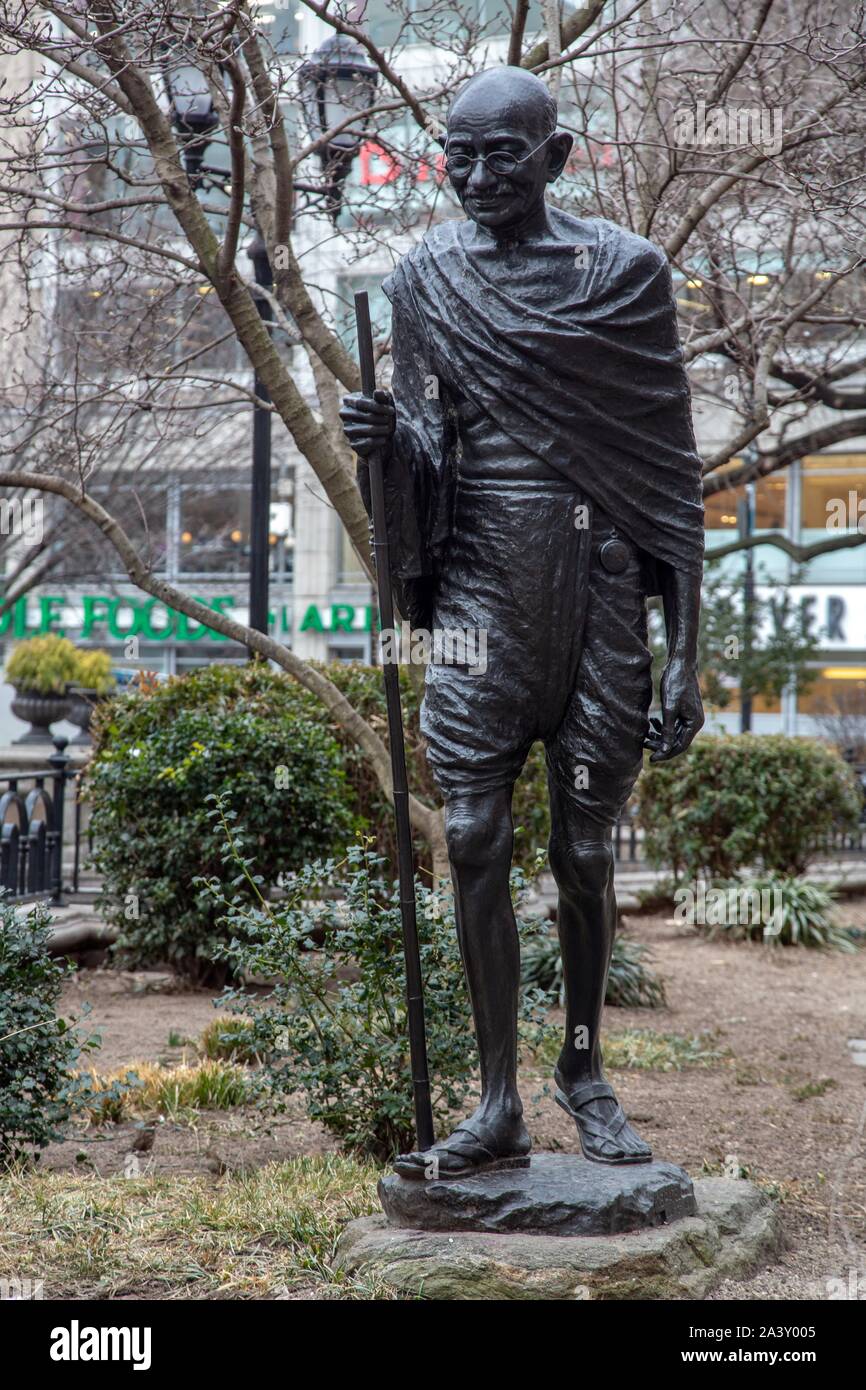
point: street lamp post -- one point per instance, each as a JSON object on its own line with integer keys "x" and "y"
{"x": 195, "y": 120}
{"x": 336, "y": 81}
{"x": 746, "y": 521}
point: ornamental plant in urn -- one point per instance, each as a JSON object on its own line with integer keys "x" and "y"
{"x": 40, "y": 669}
{"x": 94, "y": 682}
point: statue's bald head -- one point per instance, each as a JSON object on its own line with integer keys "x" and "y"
{"x": 503, "y": 148}
{"x": 510, "y": 96}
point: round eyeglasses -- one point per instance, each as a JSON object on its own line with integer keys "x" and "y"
{"x": 499, "y": 162}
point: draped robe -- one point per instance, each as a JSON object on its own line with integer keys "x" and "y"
{"x": 582, "y": 370}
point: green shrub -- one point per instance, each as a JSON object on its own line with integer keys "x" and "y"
{"x": 631, "y": 983}
{"x": 333, "y": 1024}
{"x": 794, "y": 912}
{"x": 158, "y": 756}
{"x": 739, "y": 802}
{"x": 38, "y": 1051}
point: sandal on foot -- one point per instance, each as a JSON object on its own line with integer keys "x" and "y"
{"x": 468, "y": 1148}
{"x": 590, "y": 1127}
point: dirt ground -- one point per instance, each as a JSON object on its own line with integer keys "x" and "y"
{"x": 786, "y": 1103}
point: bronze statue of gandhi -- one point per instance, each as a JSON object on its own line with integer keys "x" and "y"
{"x": 542, "y": 481}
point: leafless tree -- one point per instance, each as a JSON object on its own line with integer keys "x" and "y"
{"x": 731, "y": 133}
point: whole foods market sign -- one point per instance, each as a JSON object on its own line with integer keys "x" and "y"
{"x": 117, "y": 618}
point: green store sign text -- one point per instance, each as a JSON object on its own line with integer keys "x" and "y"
{"x": 118, "y": 618}
{"x": 121, "y": 617}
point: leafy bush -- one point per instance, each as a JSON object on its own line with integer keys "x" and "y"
{"x": 799, "y": 912}
{"x": 158, "y": 756}
{"x": 740, "y": 801}
{"x": 38, "y": 1051}
{"x": 333, "y": 1023}
{"x": 44, "y": 665}
{"x": 631, "y": 983}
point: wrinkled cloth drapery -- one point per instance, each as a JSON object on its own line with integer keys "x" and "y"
{"x": 584, "y": 372}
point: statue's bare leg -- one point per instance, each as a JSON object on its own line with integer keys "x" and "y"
{"x": 480, "y": 842}
{"x": 582, "y": 864}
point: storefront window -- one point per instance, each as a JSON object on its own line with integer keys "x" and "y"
{"x": 833, "y": 492}
{"x": 770, "y": 494}
{"x": 85, "y": 552}
{"x": 838, "y": 692}
{"x": 214, "y": 530}
{"x": 833, "y": 502}
{"x": 720, "y": 520}
{"x": 761, "y": 704}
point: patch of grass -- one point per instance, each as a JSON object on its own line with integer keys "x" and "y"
{"x": 641, "y": 1049}
{"x": 263, "y": 1235}
{"x": 228, "y": 1039}
{"x": 811, "y": 1089}
{"x": 169, "y": 1091}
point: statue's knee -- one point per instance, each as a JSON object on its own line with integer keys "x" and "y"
{"x": 476, "y": 835}
{"x": 582, "y": 866}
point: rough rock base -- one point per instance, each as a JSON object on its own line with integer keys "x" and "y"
{"x": 736, "y": 1229}
{"x": 556, "y": 1194}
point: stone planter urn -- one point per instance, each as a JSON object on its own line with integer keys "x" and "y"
{"x": 82, "y": 701}
{"x": 40, "y": 712}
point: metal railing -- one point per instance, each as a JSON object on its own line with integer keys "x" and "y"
{"x": 33, "y": 831}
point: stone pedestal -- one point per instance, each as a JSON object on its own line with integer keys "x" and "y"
{"x": 558, "y": 1194}
{"x": 563, "y": 1229}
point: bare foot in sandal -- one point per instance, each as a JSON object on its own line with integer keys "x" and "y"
{"x": 604, "y": 1132}
{"x": 487, "y": 1141}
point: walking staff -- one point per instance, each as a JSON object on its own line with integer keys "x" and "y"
{"x": 414, "y": 988}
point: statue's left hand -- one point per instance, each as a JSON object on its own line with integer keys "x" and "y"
{"x": 682, "y": 712}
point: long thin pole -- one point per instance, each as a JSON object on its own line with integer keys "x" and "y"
{"x": 414, "y": 987}
{"x": 746, "y": 517}
{"x": 260, "y": 501}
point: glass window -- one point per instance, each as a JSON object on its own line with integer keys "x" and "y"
{"x": 761, "y": 704}
{"x": 214, "y": 530}
{"x": 770, "y": 494}
{"x": 380, "y": 308}
{"x": 189, "y": 656}
{"x": 838, "y": 691}
{"x": 418, "y": 21}
{"x": 833, "y": 492}
{"x": 82, "y": 550}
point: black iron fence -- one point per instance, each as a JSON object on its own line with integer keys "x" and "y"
{"x": 40, "y": 823}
